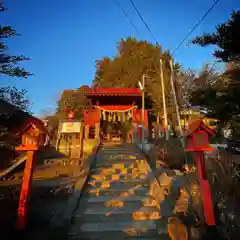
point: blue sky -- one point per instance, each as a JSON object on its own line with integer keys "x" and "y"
{"x": 64, "y": 38}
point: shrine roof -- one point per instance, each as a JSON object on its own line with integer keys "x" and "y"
{"x": 33, "y": 121}
{"x": 194, "y": 125}
{"x": 114, "y": 92}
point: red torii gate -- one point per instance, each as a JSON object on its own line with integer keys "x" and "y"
{"x": 114, "y": 100}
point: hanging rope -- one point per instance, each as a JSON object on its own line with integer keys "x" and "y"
{"x": 104, "y": 115}
{"x": 126, "y": 110}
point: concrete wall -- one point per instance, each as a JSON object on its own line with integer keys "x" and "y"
{"x": 89, "y": 145}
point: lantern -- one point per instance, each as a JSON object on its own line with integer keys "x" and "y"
{"x": 70, "y": 114}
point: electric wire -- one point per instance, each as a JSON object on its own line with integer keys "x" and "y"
{"x": 196, "y": 25}
{"x": 144, "y": 22}
{"x": 126, "y": 15}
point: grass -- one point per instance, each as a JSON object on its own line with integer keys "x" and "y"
{"x": 170, "y": 152}
{"x": 225, "y": 185}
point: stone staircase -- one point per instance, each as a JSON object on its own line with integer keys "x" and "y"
{"x": 116, "y": 203}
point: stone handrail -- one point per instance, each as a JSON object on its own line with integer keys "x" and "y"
{"x": 78, "y": 187}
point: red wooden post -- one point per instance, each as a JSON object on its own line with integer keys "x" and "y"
{"x": 197, "y": 141}
{"x": 205, "y": 189}
{"x": 23, "y": 206}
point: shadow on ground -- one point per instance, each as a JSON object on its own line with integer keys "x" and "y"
{"x": 50, "y": 202}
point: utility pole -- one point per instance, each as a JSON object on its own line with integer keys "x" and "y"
{"x": 175, "y": 99}
{"x": 142, "y": 87}
{"x": 163, "y": 99}
{"x": 177, "y": 112}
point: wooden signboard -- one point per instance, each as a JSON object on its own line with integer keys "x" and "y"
{"x": 71, "y": 127}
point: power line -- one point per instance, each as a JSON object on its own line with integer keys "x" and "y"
{"x": 193, "y": 29}
{"x": 144, "y": 22}
{"x": 126, "y": 15}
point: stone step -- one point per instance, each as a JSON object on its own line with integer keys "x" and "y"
{"x": 118, "y": 150}
{"x": 103, "y": 237}
{"x": 116, "y": 165}
{"x": 127, "y": 213}
{"x": 123, "y": 201}
{"x": 124, "y": 190}
{"x": 120, "y": 229}
{"x": 118, "y": 201}
{"x": 119, "y": 186}
{"x": 120, "y": 236}
{"x": 103, "y": 199}
{"x": 103, "y": 177}
{"x": 110, "y": 171}
{"x": 114, "y": 155}
{"x": 118, "y": 154}
{"x": 111, "y": 204}
{"x": 120, "y": 157}
{"x": 114, "y": 183}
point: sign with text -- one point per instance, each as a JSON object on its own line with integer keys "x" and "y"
{"x": 71, "y": 127}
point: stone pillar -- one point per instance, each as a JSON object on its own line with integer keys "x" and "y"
{"x": 97, "y": 130}
{"x": 86, "y": 131}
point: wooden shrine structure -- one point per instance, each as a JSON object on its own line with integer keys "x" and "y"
{"x": 34, "y": 137}
{"x": 197, "y": 139}
{"x": 113, "y": 104}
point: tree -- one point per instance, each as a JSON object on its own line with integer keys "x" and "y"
{"x": 221, "y": 95}
{"x": 74, "y": 100}
{"x": 133, "y": 59}
{"x": 190, "y": 81}
{"x": 8, "y": 64}
{"x": 226, "y": 38}
{"x": 12, "y": 101}
{"x": 15, "y": 97}
{"x": 9, "y": 67}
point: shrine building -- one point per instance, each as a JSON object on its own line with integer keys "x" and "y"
{"x": 112, "y": 105}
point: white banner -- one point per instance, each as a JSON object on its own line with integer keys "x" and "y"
{"x": 71, "y": 127}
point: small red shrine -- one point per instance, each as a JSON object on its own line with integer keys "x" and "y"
{"x": 33, "y": 132}
{"x": 113, "y": 104}
{"x": 198, "y": 142}
{"x": 33, "y": 136}
{"x": 197, "y": 136}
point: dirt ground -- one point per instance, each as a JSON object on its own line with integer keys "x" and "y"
{"x": 53, "y": 185}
